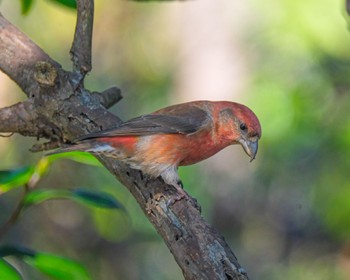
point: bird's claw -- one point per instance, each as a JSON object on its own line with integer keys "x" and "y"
{"x": 181, "y": 194}
{"x": 171, "y": 201}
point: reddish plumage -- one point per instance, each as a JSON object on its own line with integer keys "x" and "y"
{"x": 178, "y": 135}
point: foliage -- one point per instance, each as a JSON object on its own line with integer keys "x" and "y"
{"x": 28, "y": 177}
{"x": 26, "y": 5}
{"x": 57, "y": 268}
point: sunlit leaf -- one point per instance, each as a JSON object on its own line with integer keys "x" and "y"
{"x": 42, "y": 166}
{"x": 93, "y": 198}
{"x": 13, "y": 178}
{"x": 81, "y": 157}
{"x": 8, "y": 272}
{"x": 98, "y": 199}
{"x": 58, "y": 268}
{"x": 38, "y": 196}
{"x": 26, "y": 5}
{"x": 67, "y": 3}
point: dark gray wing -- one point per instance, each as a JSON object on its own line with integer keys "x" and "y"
{"x": 185, "y": 119}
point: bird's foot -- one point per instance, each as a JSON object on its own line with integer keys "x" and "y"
{"x": 181, "y": 194}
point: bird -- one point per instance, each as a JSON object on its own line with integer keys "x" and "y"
{"x": 178, "y": 135}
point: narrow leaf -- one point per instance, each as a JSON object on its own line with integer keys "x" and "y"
{"x": 38, "y": 196}
{"x": 17, "y": 177}
{"x": 58, "y": 268}
{"x": 93, "y": 198}
{"x": 13, "y": 178}
{"x": 17, "y": 251}
{"x": 42, "y": 166}
{"x": 8, "y": 272}
{"x": 25, "y": 6}
{"x": 68, "y": 3}
{"x": 81, "y": 157}
{"x": 99, "y": 199}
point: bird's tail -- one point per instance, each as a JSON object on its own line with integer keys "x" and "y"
{"x": 90, "y": 146}
{"x": 71, "y": 148}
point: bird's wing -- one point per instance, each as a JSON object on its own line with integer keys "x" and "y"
{"x": 186, "y": 119}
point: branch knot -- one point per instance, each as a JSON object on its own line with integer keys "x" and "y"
{"x": 45, "y": 73}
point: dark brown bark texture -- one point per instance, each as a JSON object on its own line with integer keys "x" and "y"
{"x": 60, "y": 109}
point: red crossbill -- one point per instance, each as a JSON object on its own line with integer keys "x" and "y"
{"x": 178, "y": 135}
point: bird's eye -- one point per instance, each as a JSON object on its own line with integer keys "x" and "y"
{"x": 243, "y": 127}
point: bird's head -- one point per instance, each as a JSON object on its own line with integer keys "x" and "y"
{"x": 241, "y": 126}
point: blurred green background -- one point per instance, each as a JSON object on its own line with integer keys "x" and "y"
{"x": 287, "y": 214}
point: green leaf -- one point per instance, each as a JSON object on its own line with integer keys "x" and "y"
{"x": 82, "y": 157}
{"x": 98, "y": 199}
{"x": 17, "y": 251}
{"x": 8, "y": 272}
{"x": 58, "y": 268}
{"x": 93, "y": 198}
{"x": 38, "y": 196}
{"x": 42, "y": 166}
{"x": 25, "y": 6}
{"x": 68, "y": 3}
{"x": 13, "y": 178}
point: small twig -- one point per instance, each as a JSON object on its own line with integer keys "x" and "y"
{"x": 8, "y": 135}
{"x": 109, "y": 97}
{"x": 15, "y": 214}
{"x": 19, "y": 118}
{"x": 44, "y": 146}
{"x": 347, "y": 7}
{"x": 81, "y": 48}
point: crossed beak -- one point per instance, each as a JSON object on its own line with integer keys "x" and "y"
{"x": 250, "y": 146}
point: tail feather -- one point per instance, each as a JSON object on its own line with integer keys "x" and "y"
{"x": 88, "y": 146}
{"x": 70, "y": 148}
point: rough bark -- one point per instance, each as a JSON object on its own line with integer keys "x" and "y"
{"x": 60, "y": 109}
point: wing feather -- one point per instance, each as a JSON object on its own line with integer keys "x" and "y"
{"x": 185, "y": 119}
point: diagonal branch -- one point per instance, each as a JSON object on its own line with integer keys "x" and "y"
{"x": 81, "y": 48}
{"x": 200, "y": 251}
{"x": 19, "y": 118}
{"x": 61, "y": 110}
{"x": 19, "y": 55}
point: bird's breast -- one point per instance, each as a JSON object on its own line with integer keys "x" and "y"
{"x": 178, "y": 149}
{"x": 202, "y": 148}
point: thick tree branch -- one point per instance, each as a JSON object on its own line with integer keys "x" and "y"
{"x": 50, "y": 88}
{"x": 66, "y": 112}
{"x": 198, "y": 248}
{"x": 19, "y": 56}
{"x": 19, "y": 118}
{"x": 81, "y": 48}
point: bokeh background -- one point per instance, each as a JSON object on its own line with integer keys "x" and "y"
{"x": 287, "y": 214}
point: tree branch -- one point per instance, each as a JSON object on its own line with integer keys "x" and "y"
{"x": 109, "y": 97}
{"x": 19, "y": 118}
{"x": 65, "y": 111}
{"x": 81, "y": 48}
{"x": 52, "y": 91}
{"x": 19, "y": 56}
{"x": 200, "y": 251}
